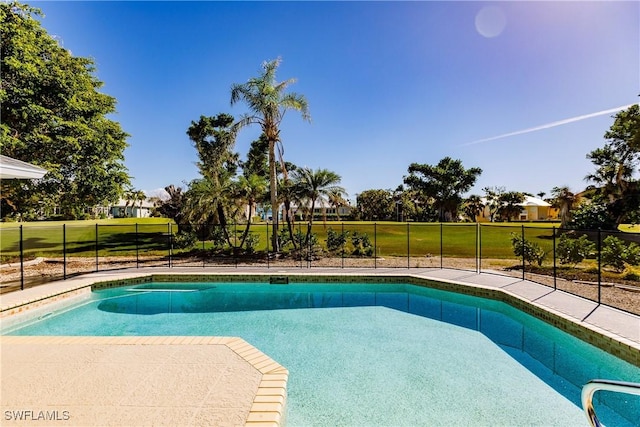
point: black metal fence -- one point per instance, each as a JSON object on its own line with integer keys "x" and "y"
{"x": 597, "y": 265}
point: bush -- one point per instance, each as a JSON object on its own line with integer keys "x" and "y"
{"x": 530, "y": 251}
{"x": 250, "y": 243}
{"x": 615, "y": 253}
{"x": 184, "y": 239}
{"x": 361, "y": 244}
{"x": 335, "y": 240}
{"x": 573, "y": 251}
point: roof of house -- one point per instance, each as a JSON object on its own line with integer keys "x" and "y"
{"x": 528, "y": 201}
{"x": 11, "y": 168}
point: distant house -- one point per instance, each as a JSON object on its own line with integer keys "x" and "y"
{"x": 321, "y": 210}
{"x": 130, "y": 210}
{"x": 533, "y": 209}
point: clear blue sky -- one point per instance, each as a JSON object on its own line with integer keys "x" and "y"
{"x": 388, "y": 83}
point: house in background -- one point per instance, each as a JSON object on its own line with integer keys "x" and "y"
{"x": 130, "y": 210}
{"x": 533, "y": 209}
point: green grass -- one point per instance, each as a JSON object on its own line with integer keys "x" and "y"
{"x": 118, "y": 237}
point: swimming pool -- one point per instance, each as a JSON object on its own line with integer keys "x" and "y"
{"x": 365, "y": 354}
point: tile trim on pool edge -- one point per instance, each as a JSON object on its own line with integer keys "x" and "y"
{"x": 616, "y": 345}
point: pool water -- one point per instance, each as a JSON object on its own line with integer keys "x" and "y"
{"x": 377, "y": 354}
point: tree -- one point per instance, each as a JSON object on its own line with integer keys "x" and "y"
{"x": 210, "y": 199}
{"x": 492, "y": 200}
{"x": 268, "y": 102}
{"x": 510, "y": 204}
{"x": 375, "y": 205}
{"x": 54, "y": 116}
{"x": 337, "y": 200}
{"x": 564, "y": 200}
{"x": 313, "y": 186}
{"x": 616, "y": 164}
{"x": 443, "y": 183}
{"x": 473, "y": 206}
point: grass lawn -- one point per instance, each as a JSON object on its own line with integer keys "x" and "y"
{"x": 115, "y": 237}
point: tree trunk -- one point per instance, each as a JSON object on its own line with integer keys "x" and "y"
{"x": 273, "y": 178}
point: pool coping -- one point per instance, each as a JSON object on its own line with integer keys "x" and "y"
{"x": 607, "y": 328}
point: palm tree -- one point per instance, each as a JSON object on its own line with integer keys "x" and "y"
{"x": 564, "y": 200}
{"x": 313, "y": 186}
{"x": 250, "y": 189}
{"x": 336, "y": 199}
{"x": 268, "y": 102}
{"x": 473, "y": 206}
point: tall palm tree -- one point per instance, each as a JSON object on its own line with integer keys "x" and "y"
{"x": 337, "y": 200}
{"x": 315, "y": 186}
{"x": 564, "y": 200}
{"x": 268, "y": 103}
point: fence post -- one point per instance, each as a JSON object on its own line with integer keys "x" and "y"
{"x": 21, "y": 260}
{"x": 479, "y": 248}
{"x": 268, "y": 266}
{"x": 555, "y": 287}
{"x": 523, "y": 250}
{"x": 441, "y": 251}
{"x": 408, "y": 248}
{"x": 599, "y": 264}
{"x": 204, "y": 229}
{"x": 375, "y": 245}
{"x": 235, "y": 243}
{"x": 97, "y": 268}
{"x": 169, "y": 242}
{"x": 64, "y": 251}
{"x": 137, "y": 249}
{"x": 343, "y": 242}
{"x": 476, "y": 247}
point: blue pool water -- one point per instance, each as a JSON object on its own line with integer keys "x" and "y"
{"x": 377, "y": 354}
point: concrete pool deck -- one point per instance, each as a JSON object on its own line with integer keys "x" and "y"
{"x": 177, "y": 380}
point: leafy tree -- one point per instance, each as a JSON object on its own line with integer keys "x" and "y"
{"x": 257, "y": 158}
{"x": 527, "y": 249}
{"x": 54, "y": 116}
{"x": 443, "y": 183}
{"x": 593, "y": 215}
{"x": 173, "y": 206}
{"x": 249, "y": 190}
{"x": 571, "y": 250}
{"x": 503, "y": 204}
{"x": 268, "y": 102}
{"x": 472, "y": 207}
{"x": 615, "y": 253}
{"x": 616, "y": 164}
{"x": 210, "y": 199}
{"x": 564, "y": 200}
{"x": 375, "y": 205}
{"x": 492, "y": 197}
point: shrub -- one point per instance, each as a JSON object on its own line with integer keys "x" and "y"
{"x": 573, "y": 251}
{"x": 615, "y": 253}
{"x": 361, "y": 244}
{"x": 530, "y": 251}
{"x": 335, "y": 240}
{"x": 184, "y": 239}
{"x": 631, "y": 275}
{"x": 250, "y": 243}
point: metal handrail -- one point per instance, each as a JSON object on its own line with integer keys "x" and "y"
{"x": 594, "y": 385}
